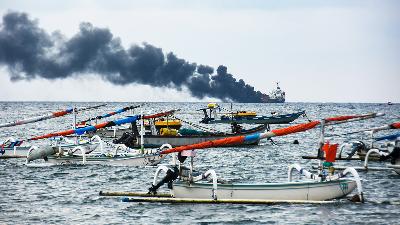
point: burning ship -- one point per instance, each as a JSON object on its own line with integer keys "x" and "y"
{"x": 275, "y": 96}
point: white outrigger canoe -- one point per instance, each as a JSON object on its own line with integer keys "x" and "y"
{"x": 187, "y": 187}
{"x": 302, "y": 191}
{"x": 85, "y": 154}
{"x": 21, "y": 151}
{"x": 198, "y": 189}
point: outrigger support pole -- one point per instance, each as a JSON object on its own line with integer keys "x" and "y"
{"x": 141, "y": 131}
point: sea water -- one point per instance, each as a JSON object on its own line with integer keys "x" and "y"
{"x": 70, "y": 194}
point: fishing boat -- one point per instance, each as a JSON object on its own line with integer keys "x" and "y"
{"x": 102, "y": 154}
{"x": 359, "y": 149}
{"x": 392, "y": 155}
{"x": 194, "y": 188}
{"x": 275, "y": 96}
{"x": 248, "y": 117}
{"x": 118, "y": 155}
{"x": 154, "y": 138}
{"x": 14, "y": 148}
{"x": 187, "y": 186}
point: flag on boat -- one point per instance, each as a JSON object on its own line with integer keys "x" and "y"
{"x": 330, "y": 151}
{"x": 267, "y": 134}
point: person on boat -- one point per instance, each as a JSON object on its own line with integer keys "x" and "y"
{"x": 127, "y": 138}
{"x": 236, "y": 128}
{"x": 393, "y": 155}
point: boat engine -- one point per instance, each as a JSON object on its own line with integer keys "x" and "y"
{"x": 357, "y": 146}
{"x": 172, "y": 174}
{"x": 393, "y": 156}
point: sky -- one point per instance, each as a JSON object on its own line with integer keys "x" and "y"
{"x": 319, "y": 51}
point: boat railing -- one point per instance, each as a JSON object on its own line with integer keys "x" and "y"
{"x": 83, "y": 151}
{"x": 100, "y": 141}
{"x": 348, "y": 170}
{"x": 214, "y": 180}
{"x": 159, "y": 169}
{"x": 302, "y": 172}
{"x": 380, "y": 153}
{"x": 32, "y": 148}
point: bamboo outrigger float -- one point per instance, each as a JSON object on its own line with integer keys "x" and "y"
{"x": 187, "y": 186}
{"x": 47, "y": 116}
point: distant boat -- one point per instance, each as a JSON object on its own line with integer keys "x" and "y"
{"x": 275, "y": 96}
{"x": 248, "y": 117}
{"x": 390, "y": 103}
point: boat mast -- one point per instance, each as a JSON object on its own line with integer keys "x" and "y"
{"x": 141, "y": 131}
{"x": 74, "y": 126}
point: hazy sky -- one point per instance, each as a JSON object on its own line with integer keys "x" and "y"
{"x": 319, "y": 51}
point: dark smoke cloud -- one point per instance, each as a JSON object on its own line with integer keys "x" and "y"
{"x": 29, "y": 52}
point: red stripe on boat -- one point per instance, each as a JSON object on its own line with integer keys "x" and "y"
{"x": 295, "y": 128}
{"x": 60, "y": 113}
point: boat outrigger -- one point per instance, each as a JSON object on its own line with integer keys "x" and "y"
{"x": 47, "y": 116}
{"x": 187, "y": 186}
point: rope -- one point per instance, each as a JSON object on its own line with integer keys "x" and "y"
{"x": 305, "y": 116}
{"x": 198, "y": 126}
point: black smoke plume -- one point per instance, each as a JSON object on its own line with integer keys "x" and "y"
{"x": 28, "y": 52}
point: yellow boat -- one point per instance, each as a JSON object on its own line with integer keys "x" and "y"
{"x": 174, "y": 124}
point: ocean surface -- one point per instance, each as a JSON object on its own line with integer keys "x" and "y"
{"x": 70, "y": 194}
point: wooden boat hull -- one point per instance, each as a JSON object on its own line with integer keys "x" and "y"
{"x": 155, "y": 141}
{"x": 315, "y": 191}
{"x": 278, "y": 119}
{"x": 139, "y": 160}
